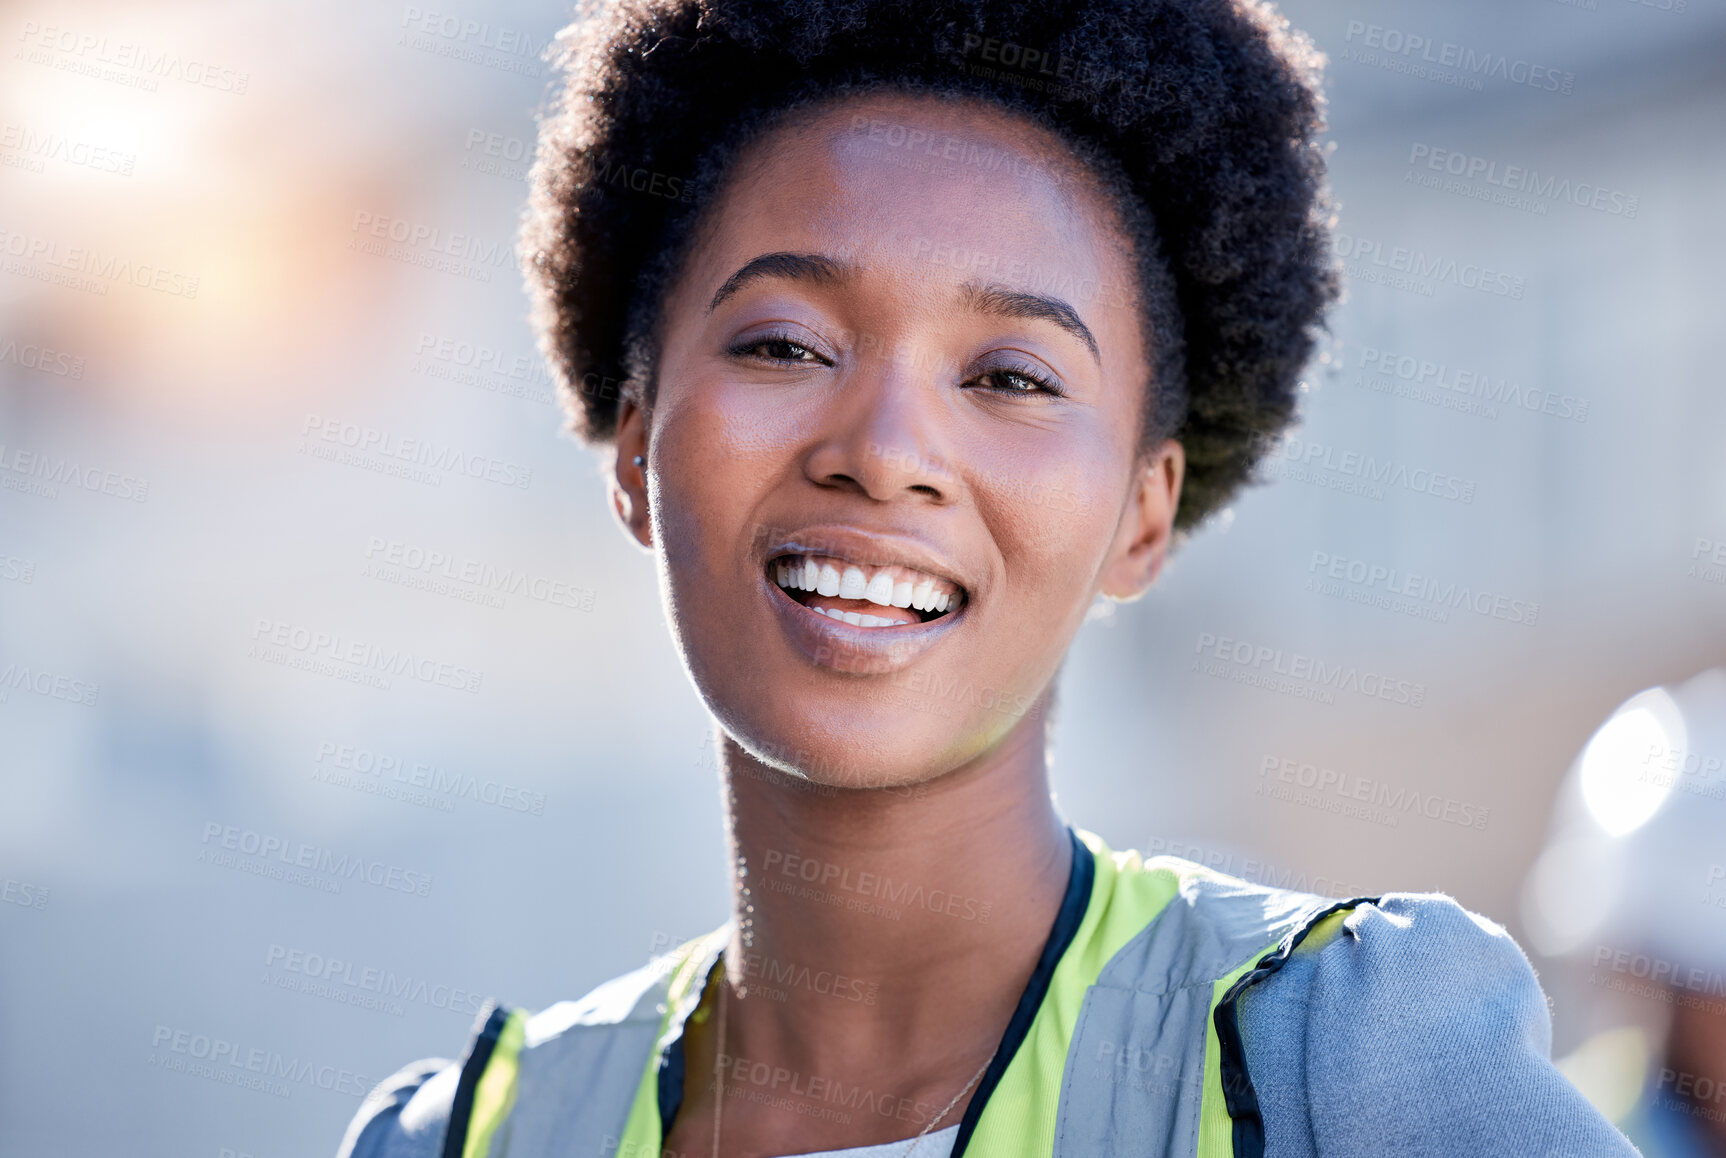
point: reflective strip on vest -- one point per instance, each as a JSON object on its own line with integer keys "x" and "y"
{"x": 1234, "y": 1088}
{"x": 641, "y": 1132}
{"x": 1123, "y": 1054}
{"x": 494, "y": 1096}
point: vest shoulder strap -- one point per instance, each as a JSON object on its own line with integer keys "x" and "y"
{"x": 1235, "y": 1084}
{"x": 1146, "y": 1066}
{"x": 574, "y": 1068}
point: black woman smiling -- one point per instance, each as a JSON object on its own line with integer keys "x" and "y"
{"x": 914, "y": 329}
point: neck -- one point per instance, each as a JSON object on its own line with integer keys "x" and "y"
{"x": 892, "y": 924}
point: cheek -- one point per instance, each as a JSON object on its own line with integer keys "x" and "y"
{"x": 717, "y": 451}
{"x": 711, "y": 425}
{"x": 1054, "y": 522}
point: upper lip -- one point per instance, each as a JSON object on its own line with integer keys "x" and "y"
{"x": 869, "y": 549}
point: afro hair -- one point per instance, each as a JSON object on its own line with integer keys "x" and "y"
{"x": 1199, "y": 118}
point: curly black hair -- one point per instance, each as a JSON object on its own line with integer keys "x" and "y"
{"x": 1198, "y": 118}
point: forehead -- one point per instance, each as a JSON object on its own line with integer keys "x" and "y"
{"x": 944, "y": 191}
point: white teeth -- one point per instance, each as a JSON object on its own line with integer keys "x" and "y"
{"x": 880, "y": 589}
{"x": 855, "y": 582}
{"x": 857, "y": 618}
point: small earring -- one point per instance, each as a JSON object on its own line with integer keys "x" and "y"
{"x": 639, "y": 461}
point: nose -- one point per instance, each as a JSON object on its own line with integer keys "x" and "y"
{"x": 881, "y": 437}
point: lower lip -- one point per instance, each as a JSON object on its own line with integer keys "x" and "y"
{"x": 842, "y": 647}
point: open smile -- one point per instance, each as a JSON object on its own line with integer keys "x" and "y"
{"x": 872, "y": 597}
{"x": 860, "y": 603}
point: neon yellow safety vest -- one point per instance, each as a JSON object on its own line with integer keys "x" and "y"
{"x": 1134, "y": 1047}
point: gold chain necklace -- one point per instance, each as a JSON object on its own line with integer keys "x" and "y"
{"x": 719, "y": 1081}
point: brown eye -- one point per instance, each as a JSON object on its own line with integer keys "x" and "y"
{"x": 777, "y": 349}
{"x": 1017, "y": 380}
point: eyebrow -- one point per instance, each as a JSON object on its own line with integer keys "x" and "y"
{"x": 989, "y": 298}
{"x": 1011, "y": 303}
{"x": 810, "y": 267}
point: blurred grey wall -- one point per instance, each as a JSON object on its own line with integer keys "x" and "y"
{"x": 220, "y": 824}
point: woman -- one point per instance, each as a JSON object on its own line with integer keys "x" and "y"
{"x": 916, "y": 328}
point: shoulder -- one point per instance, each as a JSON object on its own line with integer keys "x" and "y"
{"x": 1220, "y": 921}
{"x": 407, "y": 1114}
{"x": 1410, "y": 1025}
{"x": 1419, "y": 955}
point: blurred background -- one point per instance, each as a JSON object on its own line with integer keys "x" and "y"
{"x": 306, "y": 750}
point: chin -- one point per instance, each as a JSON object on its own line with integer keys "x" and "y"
{"x": 872, "y": 735}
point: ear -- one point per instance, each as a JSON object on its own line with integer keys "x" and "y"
{"x": 628, "y": 485}
{"x": 1147, "y": 524}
